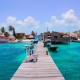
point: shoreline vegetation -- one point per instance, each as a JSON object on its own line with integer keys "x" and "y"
{"x": 53, "y": 37}
{"x": 13, "y": 36}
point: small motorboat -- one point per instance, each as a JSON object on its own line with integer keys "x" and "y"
{"x": 48, "y": 44}
{"x": 53, "y": 48}
{"x": 34, "y": 41}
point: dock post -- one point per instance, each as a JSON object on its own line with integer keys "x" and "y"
{"x": 46, "y": 52}
{"x": 27, "y": 50}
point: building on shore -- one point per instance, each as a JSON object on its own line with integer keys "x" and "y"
{"x": 56, "y": 37}
{"x": 11, "y": 38}
{"x": 30, "y": 37}
{"x": 75, "y": 35}
{"x": 3, "y": 39}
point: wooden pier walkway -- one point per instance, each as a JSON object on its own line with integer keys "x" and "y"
{"x": 43, "y": 69}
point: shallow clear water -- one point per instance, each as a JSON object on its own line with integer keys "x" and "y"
{"x": 67, "y": 58}
{"x": 11, "y": 56}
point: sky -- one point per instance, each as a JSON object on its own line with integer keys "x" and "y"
{"x": 38, "y": 15}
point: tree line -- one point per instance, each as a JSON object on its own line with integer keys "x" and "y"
{"x": 6, "y": 34}
{"x": 12, "y": 29}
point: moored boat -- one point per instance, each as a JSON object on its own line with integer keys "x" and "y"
{"x": 53, "y": 48}
{"x": 34, "y": 41}
{"x": 48, "y": 44}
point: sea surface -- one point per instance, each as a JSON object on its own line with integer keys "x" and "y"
{"x": 67, "y": 58}
{"x": 11, "y": 56}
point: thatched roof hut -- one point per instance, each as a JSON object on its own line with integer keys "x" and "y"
{"x": 31, "y": 37}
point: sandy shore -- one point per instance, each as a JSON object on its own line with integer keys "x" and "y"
{"x": 27, "y": 40}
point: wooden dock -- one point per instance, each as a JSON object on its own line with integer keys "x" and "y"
{"x": 43, "y": 69}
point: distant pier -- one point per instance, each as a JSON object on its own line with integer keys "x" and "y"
{"x": 43, "y": 69}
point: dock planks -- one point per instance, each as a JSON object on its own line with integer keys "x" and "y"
{"x": 43, "y": 69}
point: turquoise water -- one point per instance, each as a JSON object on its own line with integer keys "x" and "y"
{"x": 67, "y": 58}
{"x": 11, "y": 56}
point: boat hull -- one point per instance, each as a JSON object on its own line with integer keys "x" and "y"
{"x": 53, "y": 48}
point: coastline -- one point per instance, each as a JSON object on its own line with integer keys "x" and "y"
{"x": 26, "y": 40}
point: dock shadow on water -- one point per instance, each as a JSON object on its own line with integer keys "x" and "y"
{"x": 54, "y": 52}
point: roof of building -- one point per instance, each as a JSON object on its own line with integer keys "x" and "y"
{"x": 20, "y": 33}
{"x": 11, "y": 36}
{"x": 31, "y": 36}
{"x": 3, "y": 37}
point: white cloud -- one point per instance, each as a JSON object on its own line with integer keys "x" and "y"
{"x": 28, "y": 22}
{"x": 29, "y": 19}
{"x": 70, "y": 15}
{"x": 67, "y": 19}
{"x": 54, "y": 22}
{"x": 70, "y": 18}
{"x": 20, "y": 23}
{"x": 60, "y": 22}
{"x": 11, "y": 19}
{"x": 25, "y": 25}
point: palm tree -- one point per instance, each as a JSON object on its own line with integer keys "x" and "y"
{"x": 11, "y": 28}
{"x": 14, "y": 34}
{"x": 33, "y": 33}
{"x": 2, "y": 30}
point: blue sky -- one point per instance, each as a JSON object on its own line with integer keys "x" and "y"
{"x": 37, "y": 15}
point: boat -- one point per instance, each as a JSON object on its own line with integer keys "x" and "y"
{"x": 53, "y": 48}
{"x": 34, "y": 41}
{"x": 48, "y": 44}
